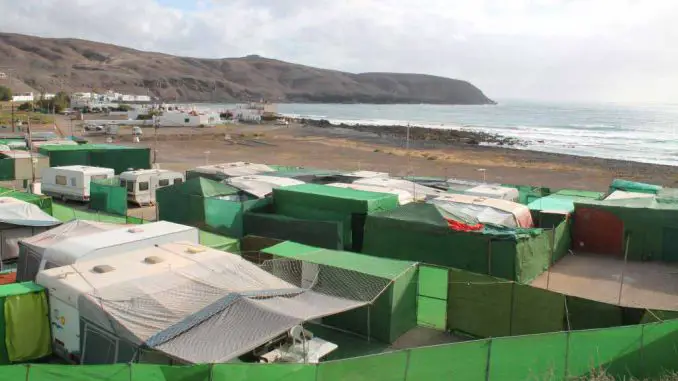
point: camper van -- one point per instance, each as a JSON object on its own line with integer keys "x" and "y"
{"x": 72, "y": 182}
{"x": 141, "y": 184}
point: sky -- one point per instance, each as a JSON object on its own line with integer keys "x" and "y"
{"x": 575, "y": 50}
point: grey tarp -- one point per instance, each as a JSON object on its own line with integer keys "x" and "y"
{"x": 18, "y": 220}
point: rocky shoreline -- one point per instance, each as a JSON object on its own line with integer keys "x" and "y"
{"x": 445, "y": 136}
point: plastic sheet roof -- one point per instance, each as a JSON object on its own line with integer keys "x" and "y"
{"x": 485, "y": 210}
{"x": 259, "y": 185}
{"x": 21, "y": 213}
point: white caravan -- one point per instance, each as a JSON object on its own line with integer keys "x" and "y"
{"x": 72, "y": 182}
{"x": 141, "y": 184}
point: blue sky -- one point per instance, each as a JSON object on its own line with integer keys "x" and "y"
{"x": 612, "y": 50}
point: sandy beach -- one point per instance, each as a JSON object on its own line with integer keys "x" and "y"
{"x": 350, "y": 149}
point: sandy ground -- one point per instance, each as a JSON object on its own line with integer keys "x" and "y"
{"x": 343, "y": 149}
{"x": 650, "y": 285}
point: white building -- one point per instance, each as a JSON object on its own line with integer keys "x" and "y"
{"x": 187, "y": 119}
{"x": 23, "y": 97}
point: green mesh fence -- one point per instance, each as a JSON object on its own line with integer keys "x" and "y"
{"x": 643, "y": 351}
{"x": 108, "y": 196}
{"x": 65, "y": 214}
{"x": 324, "y": 234}
{"x": 432, "y": 297}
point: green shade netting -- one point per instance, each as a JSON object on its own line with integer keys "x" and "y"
{"x": 13, "y": 372}
{"x": 325, "y": 234}
{"x": 384, "y": 367}
{"x": 200, "y": 187}
{"x": 541, "y": 357}
{"x": 65, "y": 214}
{"x": 113, "y": 372}
{"x": 272, "y": 372}
{"x": 432, "y": 297}
{"x": 462, "y": 361}
{"x": 379, "y": 267}
{"x": 219, "y": 242}
{"x": 108, "y": 196}
{"x": 597, "y": 349}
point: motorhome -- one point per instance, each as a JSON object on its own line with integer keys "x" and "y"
{"x": 72, "y": 182}
{"x": 141, "y": 184}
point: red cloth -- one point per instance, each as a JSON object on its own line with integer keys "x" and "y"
{"x": 460, "y": 226}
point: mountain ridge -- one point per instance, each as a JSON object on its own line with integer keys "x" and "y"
{"x": 53, "y": 64}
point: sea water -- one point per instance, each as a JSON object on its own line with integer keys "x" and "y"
{"x": 637, "y": 132}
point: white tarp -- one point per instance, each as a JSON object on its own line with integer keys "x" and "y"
{"x": 404, "y": 197}
{"x": 623, "y": 195}
{"x": 493, "y": 191}
{"x": 235, "y": 169}
{"x": 21, "y": 213}
{"x": 30, "y": 258}
{"x": 259, "y": 185}
{"x": 111, "y": 242}
{"x": 418, "y": 192}
{"x": 486, "y": 210}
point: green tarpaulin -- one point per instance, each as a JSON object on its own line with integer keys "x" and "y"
{"x": 24, "y": 322}
{"x": 324, "y": 203}
{"x": 418, "y": 232}
{"x": 120, "y": 158}
{"x": 632, "y": 186}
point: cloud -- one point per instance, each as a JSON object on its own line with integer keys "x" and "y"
{"x": 546, "y": 49}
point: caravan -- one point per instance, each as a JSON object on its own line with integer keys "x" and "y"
{"x": 72, "y": 182}
{"x": 141, "y": 184}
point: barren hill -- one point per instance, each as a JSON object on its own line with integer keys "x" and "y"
{"x": 46, "y": 64}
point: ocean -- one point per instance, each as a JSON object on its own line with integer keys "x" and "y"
{"x": 644, "y": 133}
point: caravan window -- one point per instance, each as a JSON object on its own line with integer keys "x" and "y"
{"x": 163, "y": 182}
{"x": 99, "y": 177}
{"x": 178, "y": 181}
{"x": 130, "y": 186}
{"x": 143, "y": 186}
{"x": 60, "y": 180}
{"x": 72, "y": 181}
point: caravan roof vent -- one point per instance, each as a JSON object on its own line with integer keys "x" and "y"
{"x": 135, "y": 230}
{"x": 101, "y": 269}
{"x": 153, "y": 259}
{"x": 194, "y": 250}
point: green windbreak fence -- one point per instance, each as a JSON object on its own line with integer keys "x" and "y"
{"x": 417, "y": 232}
{"x": 641, "y": 351}
{"x": 120, "y": 158}
{"x": 65, "y": 214}
{"x": 7, "y": 166}
{"x": 325, "y": 234}
{"x": 106, "y": 195}
{"x": 42, "y": 202}
{"x": 432, "y": 297}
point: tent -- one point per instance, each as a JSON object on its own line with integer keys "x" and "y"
{"x": 207, "y": 306}
{"x": 649, "y": 226}
{"x": 19, "y": 219}
{"x": 324, "y": 203}
{"x": 391, "y": 315}
{"x": 206, "y": 204}
{"x": 32, "y": 249}
{"x": 422, "y": 232}
{"x": 24, "y": 327}
{"x": 486, "y": 210}
{"x": 260, "y": 186}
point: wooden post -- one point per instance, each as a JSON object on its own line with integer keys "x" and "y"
{"x": 626, "y": 255}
